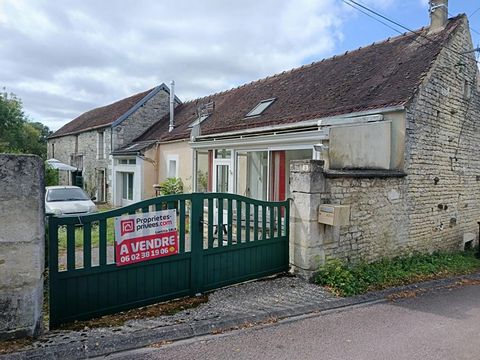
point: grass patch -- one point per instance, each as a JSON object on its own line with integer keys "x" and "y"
{"x": 348, "y": 280}
{"x": 62, "y": 235}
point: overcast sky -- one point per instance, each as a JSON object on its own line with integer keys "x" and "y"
{"x": 64, "y": 57}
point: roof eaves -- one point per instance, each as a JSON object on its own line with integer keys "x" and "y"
{"x": 53, "y": 136}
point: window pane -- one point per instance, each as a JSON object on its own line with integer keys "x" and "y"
{"x": 172, "y": 168}
{"x": 130, "y": 186}
{"x": 252, "y": 174}
{"x": 124, "y": 185}
{"x": 222, "y": 154}
{"x": 257, "y": 110}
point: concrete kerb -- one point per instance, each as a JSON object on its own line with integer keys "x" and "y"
{"x": 97, "y": 343}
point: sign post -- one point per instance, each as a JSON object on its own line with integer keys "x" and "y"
{"x": 147, "y": 236}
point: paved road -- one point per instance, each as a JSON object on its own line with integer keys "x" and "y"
{"x": 444, "y": 324}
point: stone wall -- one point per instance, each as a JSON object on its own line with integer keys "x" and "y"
{"x": 435, "y": 206}
{"x": 65, "y": 148}
{"x": 149, "y": 113}
{"x": 22, "y": 240}
{"x": 443, "y": 143}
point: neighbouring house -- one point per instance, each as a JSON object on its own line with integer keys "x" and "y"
{"x": 396, "y": 125}
{"x": 87, "y": 141}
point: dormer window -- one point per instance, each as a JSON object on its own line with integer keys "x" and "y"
{"x": 261, "y": 107}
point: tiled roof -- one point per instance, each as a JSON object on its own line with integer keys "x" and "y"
{"x": 102, "y": 116}
{"x": 381, "y": 75}
{"x": 134, "y": 148}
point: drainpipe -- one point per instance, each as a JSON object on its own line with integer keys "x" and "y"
{"x": 438, "y": 15}
{"x": 172, "y": 105}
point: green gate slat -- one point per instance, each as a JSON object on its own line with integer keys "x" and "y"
{"x": 279, "y": 221}
{"x": 229, "y": 221}
{"x": 255, "y": 222}
{"x": 239, "y": 222}
{"x": 272, "y": 222}
{"x": 210, "y": 224}
{"x": 220, "y": 222}
{"x": 264, "y": 222}
{"x": 247, "y": 222}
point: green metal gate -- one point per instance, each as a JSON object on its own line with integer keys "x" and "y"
{"x": 223, "y": 239}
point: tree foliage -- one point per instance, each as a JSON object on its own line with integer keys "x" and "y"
{"x": 17, "y": 133}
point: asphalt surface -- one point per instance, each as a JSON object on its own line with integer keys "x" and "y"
{"x": 435, "y": 324}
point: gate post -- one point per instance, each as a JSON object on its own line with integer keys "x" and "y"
{"x": 307, "y": 183}
{"x": 196, "y": 231}
{"x": 22, "y": 244}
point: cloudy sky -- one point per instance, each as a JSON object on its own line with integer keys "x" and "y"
{"x": 64, "y": 57}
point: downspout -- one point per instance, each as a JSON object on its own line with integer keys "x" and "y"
{"x": 172, "y": 106}
{"x": 157, "y": 160}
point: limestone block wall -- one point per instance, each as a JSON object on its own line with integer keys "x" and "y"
{"x": 22, "y": 239}
{"x": 87, "y": 146}
{"x": 379, "y": 222}
{"x": 149, "y": 113}
{"x": 443, "y": 143}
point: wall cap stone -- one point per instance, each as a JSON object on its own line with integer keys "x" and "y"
{"x": 364, "y": 173}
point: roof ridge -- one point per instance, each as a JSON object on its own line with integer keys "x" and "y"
{"x": 333, "y": 57}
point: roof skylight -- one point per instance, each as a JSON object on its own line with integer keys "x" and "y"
{"x": 261, "y": 107}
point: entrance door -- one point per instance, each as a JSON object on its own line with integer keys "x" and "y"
{"x": 127, "y": 188}
{"x": 222, "y": 183}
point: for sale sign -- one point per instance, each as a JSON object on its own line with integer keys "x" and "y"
{"x": 145, "y": 236}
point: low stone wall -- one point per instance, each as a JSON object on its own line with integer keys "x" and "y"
{"x": 22, "y": 234}
{"x": 384, "y": 208}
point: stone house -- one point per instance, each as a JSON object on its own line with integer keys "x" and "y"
{"x": 87, "y": 141}
{"x": 388, "y": 131}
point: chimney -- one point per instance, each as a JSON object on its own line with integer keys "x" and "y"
{"x": 438, "y": 15}
{"x": 172, "y": 106}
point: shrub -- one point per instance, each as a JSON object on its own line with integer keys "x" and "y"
{"x": 171, "y": 186}
{"x": 347, "y": 280}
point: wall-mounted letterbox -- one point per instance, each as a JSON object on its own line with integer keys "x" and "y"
{"x": 334, "y": 215}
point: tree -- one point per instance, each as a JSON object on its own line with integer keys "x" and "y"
{"x": 17, "y": 133}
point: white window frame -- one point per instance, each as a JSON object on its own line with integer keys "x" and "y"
{"x": 260, "y": 105}
{"x": 174, "y": 158}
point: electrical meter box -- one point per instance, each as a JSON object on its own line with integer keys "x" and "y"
{"x": 335, "y": 215}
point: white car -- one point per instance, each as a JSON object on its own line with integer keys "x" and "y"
{"x": 68, "y": 200}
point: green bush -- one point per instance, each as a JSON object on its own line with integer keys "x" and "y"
{"x": 347, "y": 280}
{"x": 51, "y": 175}
{"x": 171, "y": 186}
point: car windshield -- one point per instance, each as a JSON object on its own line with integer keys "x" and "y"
{"x": 67, "y": 194}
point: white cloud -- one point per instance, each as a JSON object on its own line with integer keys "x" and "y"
{"x": 65, "y": 57}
